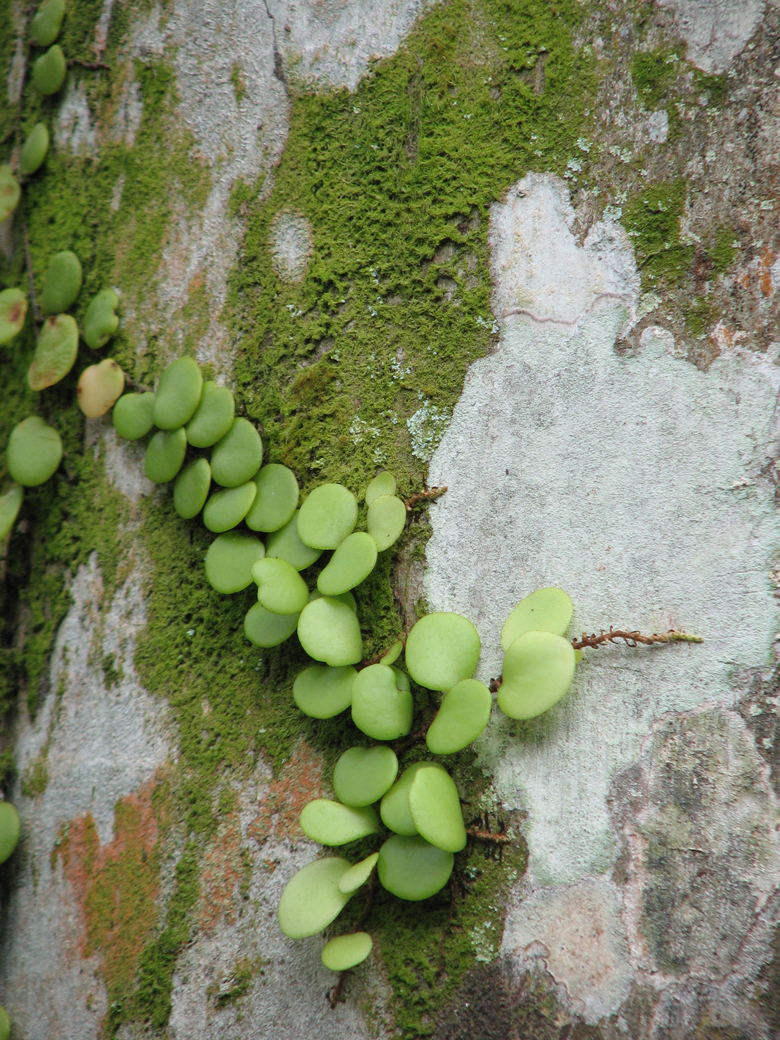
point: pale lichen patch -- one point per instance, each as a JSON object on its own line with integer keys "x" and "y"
{"x": 635, "y": 484}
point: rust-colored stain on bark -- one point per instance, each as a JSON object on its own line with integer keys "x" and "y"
{"x": 224, "y": 871}
{"x": 116, "y": 885}
{"x": 758, "y": 274}
{"x": 281, "y": 802}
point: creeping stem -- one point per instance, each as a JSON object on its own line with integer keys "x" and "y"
{"x": 631, "y": 638}
{"x": 593, "y": 641}
{"x": 424, "y": 496}
{"x": 336, "y": 995}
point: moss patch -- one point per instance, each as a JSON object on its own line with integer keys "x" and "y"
{"x": 427, "y": 948}
{"x": 75, "y": 203}
{"x": 396, "y": 180}
{"x": 653, "y": 74}
{"x": 723, "y": 250}
{"x": 652, "y": 219}
{"x": 117, "y": 884}
{"x": 36, "y": 777}
{"x": 149, "y": 999}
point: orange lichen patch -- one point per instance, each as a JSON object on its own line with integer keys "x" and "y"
{"x": 757, "y": 276}
{"x": 765, "y": 261}
{"x": 117, "y": 884}
{"x": 223, "y": 875}
{"x": 281, "y": 802}
{"x": 724, "y": 337}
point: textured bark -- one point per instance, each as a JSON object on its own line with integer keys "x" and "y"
{"x": 608, "y": 425}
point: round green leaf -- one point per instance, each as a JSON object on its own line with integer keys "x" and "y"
{"x": 191, "y": 488}
{"x": 34, "y": 149}
{"x": 411, "y": 868}
{"x": 358, "y": 875}
{"x": 394, "y": 808}
{"x": 382, "y": 484}
{"x": 213, "y": 417}
{"x": 238, "y": 455}
{"x": 55, "y": 352}
{"x": 10, "y": 828}
{"x": 441, "y": 650}
{"x": 312, "y": 898}
{"x": 386, "y": 520}
{"x": 13, "y": 309}
{"x": 345, "y": 597}
{"x": 34, "y": 452}
{"x": 331, "y": 823}
{"x": 10, "y": 192}
{"x": 47, "y": 21}
{"x": 178, "y": 394}
{"x": 538, "y": 670}
{"x": 435, "y": 808}
{"x": 327, "y": 516}
{"x": 10, "y": 504}
{"x": 286, "y": 545}
{"x": 322, "y": 692}
{"x": 281, "y": 589}
{"x": 62, "y": 283}
{"x": 393, "y": 653}
{"x": 226, "y": 509}
{"x": 347, "y": 951}
{"x": 546, "y": 610}
{"x": 99, "y": 387}
{"x": 132, "y": 415}
{"x": 351, "y": 563}
{"x": 263, "y": 628}
{"x": 363, "y": 775}
{"x": 401, "y": 679}
{"x": 164, "y": 455}
{"x": 5, "y": 1024}
{"x": 101, "y": 320}
{"x": 379, "y": 708}
{"x": 229, "y": 561}
{"x": 48, "y": 73}
{"x": 463, "y": 715}
{"x": 276, "y": 501}
{"x": 329, "y": 631}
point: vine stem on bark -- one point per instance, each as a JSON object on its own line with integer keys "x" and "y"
{"x": 423, "y": 496}
{"x": 336, "y": 995}
{"x": 629, "y": 637}
{"x": 632, "y": 638}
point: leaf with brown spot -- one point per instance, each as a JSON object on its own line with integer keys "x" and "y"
{"x": 13, "y": 309}
{"x": 55, "y": 352}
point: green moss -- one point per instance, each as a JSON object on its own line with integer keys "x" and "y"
{"x": 77, "y": 36}
{"x": 237, "y": 982}
{"x": 118, "y": 244}
{"x": 238, "y": 82}
{"x": 715, "y": 88}
{"x": 150, "y": 998}
{"x": 36, "y": 777}
{"x": 7, "y": 48}
{"x": 652, "y": 219}
{"x": 7, "y": 770}
{"x": 723, "y": 250}
{"x": 427, "y": 948}
{"x": 409, "y": 162}
{"x": 111, "y": 674}
{"x": 653, "y": 74}
{"x": 121, "y": 902}
{"x": 698, "y": 314}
